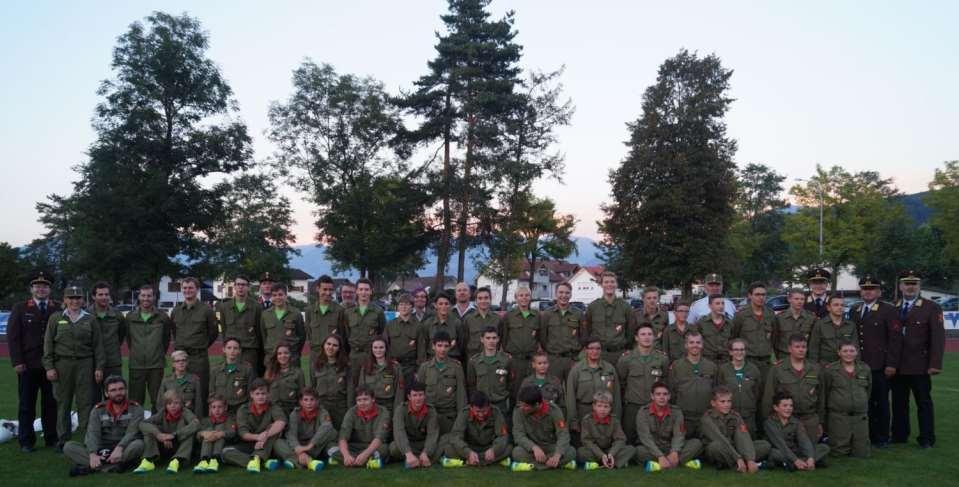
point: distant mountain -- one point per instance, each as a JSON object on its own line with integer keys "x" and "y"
{"x": 313, "y": 261}
{"x": 916, "y": 207}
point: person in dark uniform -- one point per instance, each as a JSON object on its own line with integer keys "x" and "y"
{"x": 880, "y": 343}
{"x": 923, "y": 343}
{"x": 817, "y": 302}
{"x": 25, "y": 330}
{"x": 266, "y": 291}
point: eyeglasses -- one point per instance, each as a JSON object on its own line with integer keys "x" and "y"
{"x": 737, "y": 349}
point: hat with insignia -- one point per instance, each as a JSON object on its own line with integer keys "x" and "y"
{"x": 40, "y": 279}
{"x": 909, "y": 276}
{"x": 713, "y": 278}
{"x": 266, "y": 277}
{"x": 868, "y": 281}
{"x": 73, "y": 292}
{"x": 818, "y": 274}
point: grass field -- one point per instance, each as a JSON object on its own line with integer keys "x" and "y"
{"x": 899, "y": 465}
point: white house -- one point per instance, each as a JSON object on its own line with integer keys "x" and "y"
{"x": 547, "y": 275}
{"x": 586, "y": 284}
{"x": 298, "y": 285}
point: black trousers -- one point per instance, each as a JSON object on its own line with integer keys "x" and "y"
{"x": 31, "y": 383}
{"x": 879, "y": 408}
{"x": 920, "y": 386}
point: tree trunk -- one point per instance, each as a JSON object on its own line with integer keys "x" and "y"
{"x": 532, "y": 274}
{"x": 464, "y": 211}
{"x": 505, "y": 297}
{"x": 442, "y": 251}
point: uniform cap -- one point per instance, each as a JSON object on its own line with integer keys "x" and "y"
{"x": 266, "y": 277}
{"x": 40, "y": 279}
{"x": 909, "y": 276}
{"x": 868, "y": 281}
{"x": 73, "y": 292}
{"x": 819, "y": 274}
{"x": 713, "y": 278}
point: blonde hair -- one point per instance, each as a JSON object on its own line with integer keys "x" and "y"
{"x": 603, "y": 396}
{"x": 177, "y": 354}
{"x": 170, "y": 396}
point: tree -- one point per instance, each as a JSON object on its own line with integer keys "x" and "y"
{"x": 166, "y": 121}
{"x": 756, "y": 234}
{"x": 943, "y": 197}
{"x": 13, "y": 276}
{"x": 673, "y": 193}
{"x": 338, "y": 142}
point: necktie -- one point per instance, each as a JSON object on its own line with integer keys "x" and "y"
{"x": 267, "y": 304}
{"x": 905, "y": 310}
{"x": 865, "y": 311}
{"x": 819, "y": 302}
{"x": 43, "y": 307}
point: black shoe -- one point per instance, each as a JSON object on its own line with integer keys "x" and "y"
{"x": 26, "y": 449}
{"x": 882, "y": 444}
{"x": 788, "y": 466}
{"x": 821, "y": 464}
{"x": 79, "y": 470}
{"x": 59, "y": 447}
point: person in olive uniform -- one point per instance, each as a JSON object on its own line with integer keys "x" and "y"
{"x": 716, "y": 329}
{"x": 829, "y": 332}
{"x": 663, "y": 442}
{"x": 638, "y": 370}
{"x": 382, "y": 375}
{"x": 726, "y": 437}
{"x": 240, "y": 318}
{"x": 407, "y": 339}
{"x": 674, "y": 337}
{"x": 364, "y": 434}
{"x": 113, "y": 332}
{"x": 691, "y": 380}
{"x": 214, "y": 433}
{"x": 802, "y": 380}
{"x": 194, "y": 330}
{"x": 552, "y": 387}
{"x": 522, "y": 332}
{"x": 610, "y": 319}
{"x": 325, "y": 317}
{"x": 491, "y": 372}
{"x": 880, "y": 340}
{"x": 347, "y": 295}
{"x": 443, "y": 320}
{"x": 73, "y": 357}
{"x": 26, "y": 328}
{"x": 589, "y": 376}
{"x": 604, "y": 442}
{"x": 421, "y": 305}
{"x": 541, "y": 434}
{"x": 479, "y": 436}
{"x": 416, "y": 431}
{"x": 477, "y": 320}
{"x": 562, "y": 332}
{"x": 309, "y": 433}
{"x": 795, "y": 319}
{"x": 846, "y": 387}
{"x": 113, "y": 440}
{"x": 792, "y": 449}
{"x": 754, "y": 324}
{"x": 817, "y": 302}
{"x": 232, "y": 379}
{"x": 332, "y": 378}
{"x": 149, "y": 334}
{"x": 286, "y": 381}
{"x": 259, "y": 425}
{"x": 653, "y": 315}
{"x": 187, "y": 385}
{"x": 923, "y": 343}
{"x": 282, "y": 323}
{"x": 445, "y": 383}
{"x": 744, "y": 381}
{"x": 364, "y": 321}
{"x": 170, "y": 432}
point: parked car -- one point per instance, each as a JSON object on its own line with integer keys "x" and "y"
{"x": 848, "y": 302}
{"x": 778, "y": 303}
{"x": 541, "y": 304}
{"x": 951, "y": 304}
{"x": 578, "y": 305}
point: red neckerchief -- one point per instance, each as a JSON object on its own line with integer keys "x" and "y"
{"x": 422, "y": 411}
{"x": 368, "y": 416}
{"x": 543, "y": 410}
{"x": 258, "y": 410}
{"x": 475, "y": 417}
{"x": 659, "y": 413}
{"x": 599, "y": 420}
{"x": 218, "y": 419}
{"x": 171, "y": 418}
{"x": 117, "y": 410}
{"x": 309, "y": 416}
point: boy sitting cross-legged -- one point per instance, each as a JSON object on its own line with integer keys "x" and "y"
{"x": 170, "y": 431}
{"x": 604, "y": 442}
{"x": 661, "y": 430}
{"x": 541, "y": 433}
{"x": 416, "y": 430}
{"x": 259, "y": 425}
{"x": 364, "y": 433}
{"x": 726, "y": 434}
{"x": 791, "y": 447}
{"x": 215, "y": 431}
{"x": 479, "y": 436}
{"x": 309, "y": 435}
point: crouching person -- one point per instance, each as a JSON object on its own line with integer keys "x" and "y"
{"x": 416, "y": 430}
{"x": 791, "y": 447}
{"x": 479, "y": 436}
{"x": 661, "y": 430}
{"x": 215, "y": 431}
{"x": 259, "y": 425}
{"x": 364, "y": 433}
{"x": 604, "y": 442}
{"x": 541, "y": 433}
{"x": 309, "y": 435}
{"x": 112, "y": 442}
{"x": 726, "y": 435}
{"x": 170, "y": 431}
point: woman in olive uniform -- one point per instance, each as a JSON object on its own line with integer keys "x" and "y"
{"x": 332, "y": 379}
{"x": 185, "y": 383}
{"x": 383, "y": 375}
{"x": 285, "y": 381}
{"x": 232, "y": 379}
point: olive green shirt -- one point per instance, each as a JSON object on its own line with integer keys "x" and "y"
{"x": 452, "y": 326}
{"x": 469, "y": 433}
{"x": 730, "y": 433}
{"x": 445, "y": 384}
{"x": 746, "y": 384}
{"x": 846, "y": 393}
{"x": 408, "y": 340}
{"x": 826, "y": 337}
{"x": 639, "y": 372}
{"x": 562, "y": 331}
{"x": 491, "y": 375}
{"x": 803, "y": 385}
{"x": 148, "y": 339}
{"x": 361, "y": 328}
{"x": 300, "y": 432}
{"x": 547, "y": 431}
{"x": 184, "y": 428}
{"x": 551, "y": 387}
{"x": 188, "y": 387}
{"x": 106, "y": 432}
{"x": 661, "y": 435}
{"x": 757, "y": 331}
{"x": 233, "y": 386}
{"x": 613, "y": 324}
{"x": 674, "y": 341}
{"x": 244, "y": 325}
{"x": 287, "y": 329}
{"x": 357, "y": 430}
{"x": 521, "y": 334}
{"x": 583, "y": 382}
{"x": 320, "y": 325}
{"x": 194, "y": 326}
{"x": 473, "y": 325}
{"x": 252, "y": 424}
{"x": 409, "y": 427}
{"x": 659, "y": 322}
{"x": 285, "y": 389}
{"x": 786, "y": 325}
{"x": 715, "y": 338}
{"x": 333, "y": 386}
{"x": 386, "y": 382}
{"x": 113, "y": 332}
{"x": 67, "y": 339}
{"x": 602, "y": 439}
{"x": 790, "y": 439}
{"x": 692, "y": 385}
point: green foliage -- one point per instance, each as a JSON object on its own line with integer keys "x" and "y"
{"x": 943, "y": 197}
{"x": 756, "y": 234}
{"x": 14, "y": 277}
{"x": 673, "y": 193}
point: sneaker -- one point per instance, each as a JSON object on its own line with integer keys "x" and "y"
{"x": 145, "y": 466}
{"x": 521, "y": 467}
{"x": 272, "y": 464}
{"x": 201, "y": 467}
{"x": 451, "y": 462}
{"x": 316, "y": 465}
{"x": 212, "y": 466}
{"x": 289, "y": 465}
{"x": 374, "y": 464}
{"x": 694, "y": 464}
{"x": 506, "y": 462}
{"x": 254, "y": 465}
{"x": 590, "y": 466}
{"x": 652, "y": 466}
{"x": 173, "y": 466}
{"x": 330, "y": 453}
{"x": 571, "y": 465}
{"x": 763, "y": 465}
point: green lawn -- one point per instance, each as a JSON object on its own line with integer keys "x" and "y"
{"x": 899, "y": 465}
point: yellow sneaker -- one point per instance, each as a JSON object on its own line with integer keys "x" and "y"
{"x": 451, "y": 462}
{"x": 212, "y": 466}
{"x": 173, "y": 466}
{"x": 506, "y": 462}
{"x": 521, "y": 467}
{"x": 145, "y": 466}
{"x": 316, "y": 465}
{"x": 254, "y": 465}
{"x": 374, "y": 464}
{"x": 590, "y": 466}
{"x": 694, "y": 464}
{"x": 652, "y": 466}
{"x": 201, "y": 467}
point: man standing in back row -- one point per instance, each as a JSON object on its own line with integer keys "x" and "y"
{"x": 194, "y": 330}
{"x": 610, "y": 320}
{"x": 817, "y": 302}
{"x": 240, "y": 318}
{"x": 713, "y": 283}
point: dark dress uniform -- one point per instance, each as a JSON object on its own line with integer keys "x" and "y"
{"x": 818, "y": 306}
{"x": 25, "y": 331}
{"x": 923, "y": 343}
{"x": 880, "y": 343}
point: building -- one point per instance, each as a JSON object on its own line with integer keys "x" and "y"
{"x": 586, "y": 284}
{"x": 547, "y": 275}
{"x": 298, "y": 282}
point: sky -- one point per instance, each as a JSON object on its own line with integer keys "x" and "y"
{"x": 865, "y": 85}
